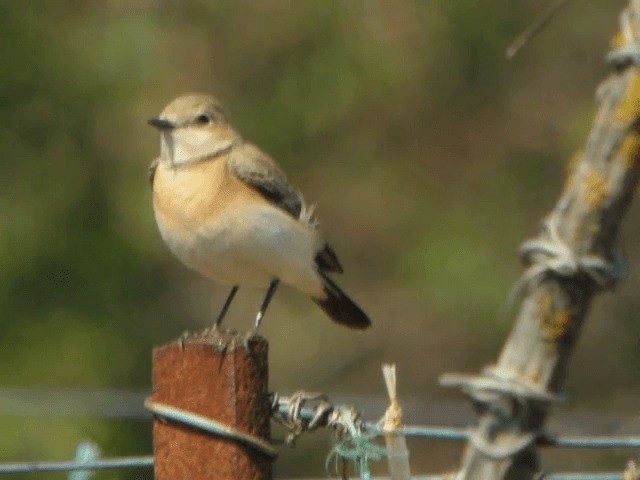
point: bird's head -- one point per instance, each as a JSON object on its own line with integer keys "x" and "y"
{"x": 193, "y": 127}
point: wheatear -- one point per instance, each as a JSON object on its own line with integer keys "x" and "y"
{"x": 225, "y": 209}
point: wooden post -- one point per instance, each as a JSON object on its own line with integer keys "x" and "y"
{"x": 217, "y": 378}
{"x": 571, "y": 259}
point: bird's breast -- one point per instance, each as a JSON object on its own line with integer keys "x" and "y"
{"x": 221, "y": 227}
{"x": 200, "y": 212}
{"x": 185, "y": 199}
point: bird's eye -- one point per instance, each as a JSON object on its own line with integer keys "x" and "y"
{"x": 203, "y": 119}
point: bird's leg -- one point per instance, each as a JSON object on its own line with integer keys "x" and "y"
{"x": 225, "y": 307}
{"x": 265, "y": 303}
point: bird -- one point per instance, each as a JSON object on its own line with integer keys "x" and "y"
{"x": 225, "y": 209}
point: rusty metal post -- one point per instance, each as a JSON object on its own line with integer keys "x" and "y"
{"x": 215, "y": 377}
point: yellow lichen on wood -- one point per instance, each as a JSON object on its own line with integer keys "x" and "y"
{"x": 557, "y": 326}
{"x": 535, "y": 377}
{"x": 572, "y": 166}
{"x": 546, "y": 305}
{"x": 553, "y": 325}
{"x": 630, "y": 149}
{"x": 620, "y": 39}
{"x": 629, "y": 109}
{"x": 595, "y": 189}
{"x": 617, "y": 41}
{"x": 546, "y": 313}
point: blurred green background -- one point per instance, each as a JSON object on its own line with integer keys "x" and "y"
{"x": 430, "y": 158}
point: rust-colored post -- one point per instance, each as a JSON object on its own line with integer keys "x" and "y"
{"x": 215, "y": 377}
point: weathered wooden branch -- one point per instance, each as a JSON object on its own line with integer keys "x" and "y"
{"x": 571, "y": 259}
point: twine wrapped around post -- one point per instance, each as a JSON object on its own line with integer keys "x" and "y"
{"x": 571, "y": 260}
{"x": 397, "y": 451}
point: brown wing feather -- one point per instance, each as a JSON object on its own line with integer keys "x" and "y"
{"x": 259, "y": 171}
{"x": 254, "y": 167}
{"x": 327, "y": 260}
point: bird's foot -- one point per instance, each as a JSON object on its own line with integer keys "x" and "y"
{"x": 183, "y": 338}
{"x": 212, "y": 331}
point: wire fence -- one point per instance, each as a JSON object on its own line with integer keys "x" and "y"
{"x": 148, "y": 462}
{"x": 289, "y": 411}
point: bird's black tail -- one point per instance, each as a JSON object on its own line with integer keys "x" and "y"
{"x": 341, "y": 308}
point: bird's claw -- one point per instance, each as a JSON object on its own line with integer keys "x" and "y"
{"x": 183, "y": 338}
{"x": 212, "y": 331}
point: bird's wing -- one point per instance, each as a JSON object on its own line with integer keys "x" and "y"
{"x": 255, "y": 168}
{"x": 327, "y": 260}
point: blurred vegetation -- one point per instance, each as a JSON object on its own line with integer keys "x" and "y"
{"x": 429, "y": 155}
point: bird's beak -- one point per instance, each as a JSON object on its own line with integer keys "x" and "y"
{"x": 161, "y": 124}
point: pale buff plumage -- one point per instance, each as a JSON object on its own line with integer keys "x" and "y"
{"x": 225, "y": 209}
